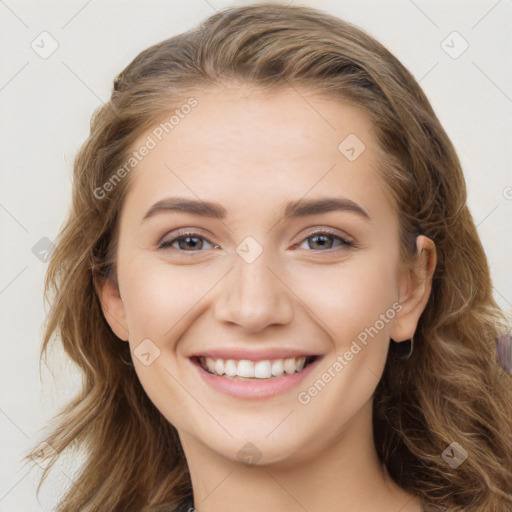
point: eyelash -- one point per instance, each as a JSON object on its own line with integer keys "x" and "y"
{"x": 184, "y": 234}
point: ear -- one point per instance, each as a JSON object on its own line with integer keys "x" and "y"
{"x": 415, "y": 285}
{"x": 112, "y": 305}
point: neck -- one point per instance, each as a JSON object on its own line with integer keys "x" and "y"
{"x": 342, "y": 477}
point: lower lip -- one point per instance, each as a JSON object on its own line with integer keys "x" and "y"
{"x": 254, "y": 389}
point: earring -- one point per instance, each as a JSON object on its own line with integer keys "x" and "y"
{"x": 130, "y": 363}
{"x": 411, "y": 348}
{"x": 397, "y": 347}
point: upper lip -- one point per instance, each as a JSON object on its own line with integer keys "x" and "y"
{"x": 253, "y": 354}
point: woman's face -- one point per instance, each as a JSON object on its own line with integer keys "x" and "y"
{"x": 258, "y": 285}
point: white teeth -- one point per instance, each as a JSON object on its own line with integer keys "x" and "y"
{"x": 265, "y": 369}
{"x": 245, "y": 368}
{"x": 262, "y": 370}
{"x": 219, "y": 367}
{"x": 230, "y": 368}
{"x": 289, "y": 365}
{"x": 277, "y": 368}
{"x": 210, "y": 364}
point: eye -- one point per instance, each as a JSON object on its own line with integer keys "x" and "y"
{"x": 186, "y": 241}
{"x": 194, "y": 242}
{"x": 320, "y": 239}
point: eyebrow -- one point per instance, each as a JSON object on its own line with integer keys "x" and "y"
{"x": 292, "y": 209}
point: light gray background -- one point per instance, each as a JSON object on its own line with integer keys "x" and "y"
{"x": 46, "y": 105}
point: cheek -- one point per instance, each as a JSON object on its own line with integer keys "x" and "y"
{"x": 158, "y": 296}
{"x": 365, "y": 302}
{"x": 344, "y": 298}
{"x": 161, "y": 302}
{"x": 347, "y": 298}
{"x": 357, "y": 306}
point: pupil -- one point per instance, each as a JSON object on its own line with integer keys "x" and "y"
{"x": 187, "y": 239}
{"x": 323, "y": 237}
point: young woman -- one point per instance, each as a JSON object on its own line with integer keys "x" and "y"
{"x": 271, "y": 281}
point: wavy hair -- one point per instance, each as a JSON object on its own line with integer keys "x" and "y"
{"x": 450, "y": 390}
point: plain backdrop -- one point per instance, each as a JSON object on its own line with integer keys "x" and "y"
{"x": 46, "y": 102}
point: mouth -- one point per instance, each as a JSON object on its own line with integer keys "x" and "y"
{"x": 253, "y": 374}
{"x": 254, "y": 370}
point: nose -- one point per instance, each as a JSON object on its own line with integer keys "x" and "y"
{"x": 254, "y": 296}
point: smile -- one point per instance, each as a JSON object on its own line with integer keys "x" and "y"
{"x": 248, "y": 369}
{"x": 253, "y": 377}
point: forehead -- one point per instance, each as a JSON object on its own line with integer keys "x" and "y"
{"x": 255, "y": 149}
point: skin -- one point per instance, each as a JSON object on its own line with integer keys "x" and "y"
{"x": 252, "y": 152}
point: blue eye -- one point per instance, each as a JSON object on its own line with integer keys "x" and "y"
{"x": 195, "y": 242}
{"x": 184, "y": 240}
{"x": 322, "y": 240}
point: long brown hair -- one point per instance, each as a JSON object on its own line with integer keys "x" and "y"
{"x": 450, "y": 390}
